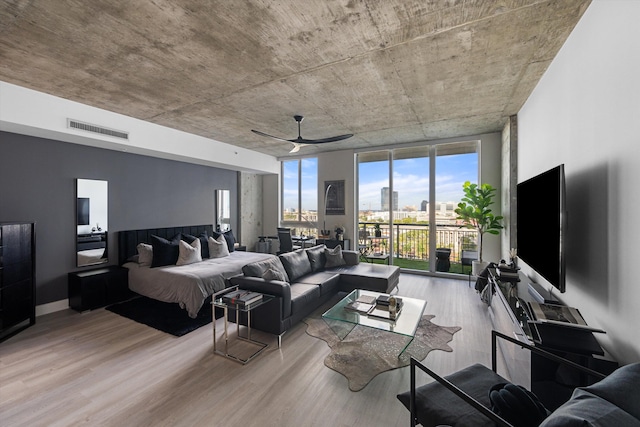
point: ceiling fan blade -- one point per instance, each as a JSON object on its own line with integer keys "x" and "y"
{"x": 270, "y": 136}
{"x": 296, "y": 147}
{"x": 323, "y": 140}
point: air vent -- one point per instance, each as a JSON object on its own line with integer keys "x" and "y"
{"x": 74, "y": 124}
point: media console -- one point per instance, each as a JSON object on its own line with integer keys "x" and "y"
{"x": 553, "y": 385}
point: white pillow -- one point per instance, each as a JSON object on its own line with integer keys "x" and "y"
{"x": 189, "y": 253}
{"x": 218, "y": 247}
{"x": 145, "y": 254}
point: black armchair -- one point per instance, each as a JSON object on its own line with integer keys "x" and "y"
{"x": 436, "y": 403}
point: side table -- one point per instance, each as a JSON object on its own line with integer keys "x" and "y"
{"x": 90, "y": 289}
{"x": 218, "y": 302}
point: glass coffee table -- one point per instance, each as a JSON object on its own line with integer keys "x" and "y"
{"x": 342, "y": 320}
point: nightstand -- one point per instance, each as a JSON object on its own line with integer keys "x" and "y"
{"x": 96, "y": 288}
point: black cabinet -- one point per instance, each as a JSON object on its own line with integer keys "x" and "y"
{"x": 96, "y": 288}
{"x": 551, "y": 382}
{"x": 17, "y": 278}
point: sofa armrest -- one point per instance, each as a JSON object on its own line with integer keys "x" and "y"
{"x": 351, "y": 257}
{"x": 271, "y": 287}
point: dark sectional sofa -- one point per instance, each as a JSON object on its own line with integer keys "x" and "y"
{"x": 304, "y": 279}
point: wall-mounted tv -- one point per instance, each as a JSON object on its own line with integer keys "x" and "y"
{"x": 541, "y": 221}
{"x": 82, "y": 205}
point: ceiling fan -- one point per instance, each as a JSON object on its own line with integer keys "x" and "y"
{"x": 300, "y": 141}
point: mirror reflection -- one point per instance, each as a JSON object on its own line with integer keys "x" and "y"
{"x": 223, "y": 210}
{"x": 91, "y": 222}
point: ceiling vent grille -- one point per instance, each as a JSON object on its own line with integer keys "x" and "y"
{"x": 74, "y": 124}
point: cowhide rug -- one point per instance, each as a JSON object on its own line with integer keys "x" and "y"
{"x": 366, "y": 352}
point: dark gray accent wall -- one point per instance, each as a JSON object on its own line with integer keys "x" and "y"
{"x": 37, "y": 183}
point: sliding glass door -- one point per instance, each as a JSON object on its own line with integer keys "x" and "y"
{"x": 407, "y": 198}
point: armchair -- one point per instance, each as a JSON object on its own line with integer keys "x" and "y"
{"x": 612, "y": 401}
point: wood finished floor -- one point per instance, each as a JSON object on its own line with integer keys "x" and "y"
{"x": 98, "y": 368}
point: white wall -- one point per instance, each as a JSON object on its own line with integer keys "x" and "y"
{"x": 585, "y": 113}
{"x": 28, "y": 112}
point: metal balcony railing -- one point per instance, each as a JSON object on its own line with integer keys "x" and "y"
{"x": 411, "y": 241}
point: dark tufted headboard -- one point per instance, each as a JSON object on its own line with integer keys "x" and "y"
{"x": 128, "y": 240}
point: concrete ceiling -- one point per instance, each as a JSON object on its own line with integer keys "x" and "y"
{"x": 388, "y": 71}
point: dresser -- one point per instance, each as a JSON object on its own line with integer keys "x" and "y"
{"x": 17, "y": 277}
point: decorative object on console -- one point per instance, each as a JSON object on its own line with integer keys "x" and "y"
{"x": 475, "y": 213}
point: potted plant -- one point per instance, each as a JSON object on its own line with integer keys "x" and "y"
{"x": 378, "y": 232}
{"x": 475, "y": 213}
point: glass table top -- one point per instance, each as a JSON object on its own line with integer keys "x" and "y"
{"x": 405, "y": 324}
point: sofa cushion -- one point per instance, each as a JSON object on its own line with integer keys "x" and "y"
{"x": 304, "y": 297}
{"x": 334, "y": 257}
{"x": 296, "y": 264}
{"x": 621, "y": 388}
{"x": 586, "y": 409}
{"x": 258, "y": 268}
{"x": 612, "y": 401}
{"x": 328, "y": 281}
{"x": 317, "y": 257}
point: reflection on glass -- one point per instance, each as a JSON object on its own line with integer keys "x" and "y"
{"x": 91, "y": 222}
{"x": 223, "y": 210}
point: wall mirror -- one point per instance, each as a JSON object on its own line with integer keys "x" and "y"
{"x": 91, "y": 222}
{"x": 223, "y": 210}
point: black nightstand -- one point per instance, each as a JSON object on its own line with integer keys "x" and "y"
{"x": 91, "y": 289}
{"x": 241, "y": 248}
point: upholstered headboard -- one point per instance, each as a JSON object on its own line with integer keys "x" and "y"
{"x": 129, "y": 239}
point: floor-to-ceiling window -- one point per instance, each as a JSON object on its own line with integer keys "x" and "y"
{"x": 407, "y": 198}
{"x": 300, "y": 195}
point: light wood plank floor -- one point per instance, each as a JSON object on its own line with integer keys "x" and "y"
{"x": 98, "y": 368}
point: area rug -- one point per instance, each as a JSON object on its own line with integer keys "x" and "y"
{"x": 366, "y": 352}
{"x": 164, "y": 316}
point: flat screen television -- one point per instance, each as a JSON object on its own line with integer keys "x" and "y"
{"x": 83, "y": 211}
{"x": 541, "y": 219}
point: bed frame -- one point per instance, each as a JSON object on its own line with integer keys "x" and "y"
{"x": 129, "y": 239}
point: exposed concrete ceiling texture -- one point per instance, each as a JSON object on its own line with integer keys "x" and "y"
{"x": 388, "y": 71}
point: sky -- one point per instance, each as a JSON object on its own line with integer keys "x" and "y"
{"x": 411, "y": 180}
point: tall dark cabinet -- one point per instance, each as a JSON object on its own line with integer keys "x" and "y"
{"x": 17, "y": 278}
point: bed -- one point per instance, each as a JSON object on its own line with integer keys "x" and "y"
{"x": 188, "y": 285}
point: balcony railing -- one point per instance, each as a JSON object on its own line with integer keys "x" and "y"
{"x": 411, "y": 242}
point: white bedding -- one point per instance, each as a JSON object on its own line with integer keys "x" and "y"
{"x": 189, "y": 285}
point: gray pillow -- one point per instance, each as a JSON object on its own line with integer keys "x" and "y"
{"x": 274, "y": 274}
{"x": 258, "y": 268}
{"x": 316, "y": 257}
{"x": 334, "y": 257}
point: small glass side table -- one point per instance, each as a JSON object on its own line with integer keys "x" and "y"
{"x": 218, "y": 302}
